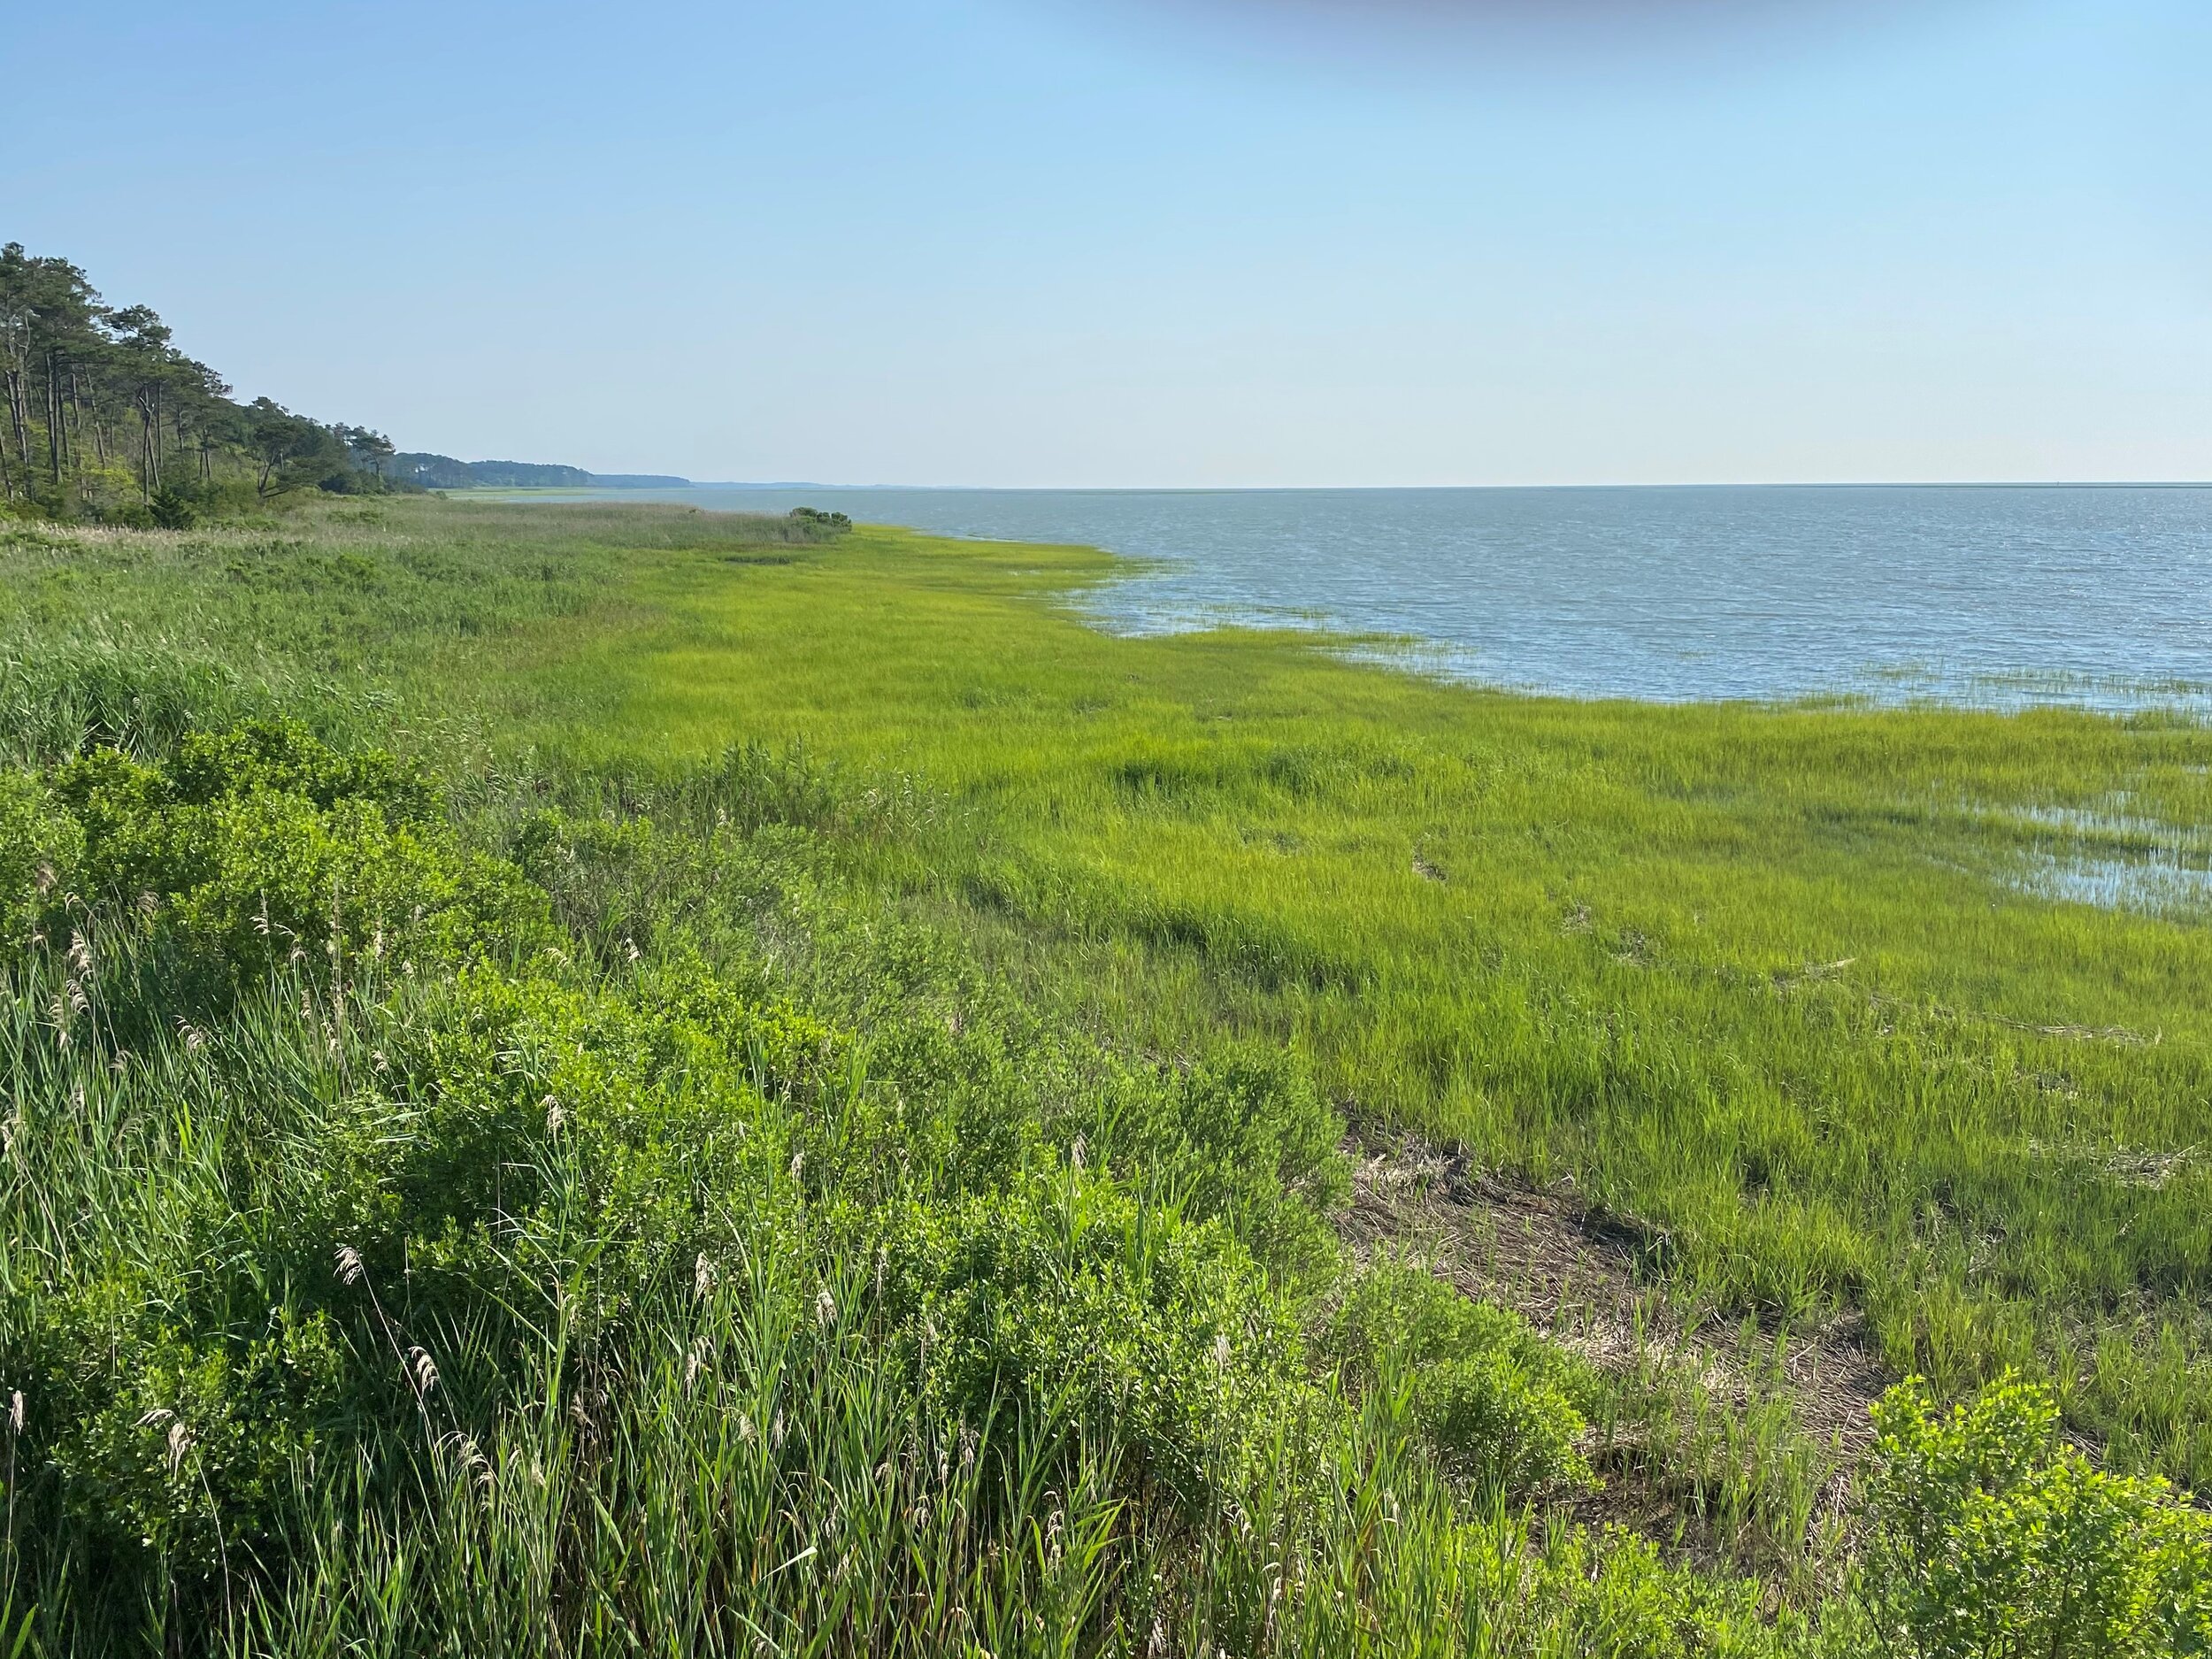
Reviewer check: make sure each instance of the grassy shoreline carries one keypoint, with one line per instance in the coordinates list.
(1096, 936)
(1758, 977)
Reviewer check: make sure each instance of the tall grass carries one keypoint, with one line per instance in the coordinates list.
(834, 1150)
(518, 1300)
(1770, 981)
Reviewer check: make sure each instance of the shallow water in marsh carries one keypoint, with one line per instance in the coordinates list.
(1997, 595)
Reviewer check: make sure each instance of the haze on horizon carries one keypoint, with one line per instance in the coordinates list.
(1123, 243)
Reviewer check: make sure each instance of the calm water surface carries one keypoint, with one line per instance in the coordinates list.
(1995, 595)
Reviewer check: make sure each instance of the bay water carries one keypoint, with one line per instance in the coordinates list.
(1993, 595)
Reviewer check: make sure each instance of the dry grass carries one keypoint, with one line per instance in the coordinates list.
(1722, 1446)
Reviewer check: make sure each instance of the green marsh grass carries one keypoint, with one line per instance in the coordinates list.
(1090, 948)
(1762, 979)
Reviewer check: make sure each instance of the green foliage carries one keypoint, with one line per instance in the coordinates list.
(1764, 980)
(1617, 1598)
(96, 691)
(1068, 1293)
(290, 450)
(1499, 1406)
(417, 1304)
(1245, 1135)
(638, 1119)
(38, 842)
(1991, 1538)
(815, 518)
(128, 431)
(185, 504)
(284, 1206)
(251, 848)
(171, 509)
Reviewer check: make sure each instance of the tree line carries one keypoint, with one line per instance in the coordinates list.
(103, 416)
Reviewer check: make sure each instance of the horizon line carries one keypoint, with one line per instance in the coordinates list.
(1287, 489)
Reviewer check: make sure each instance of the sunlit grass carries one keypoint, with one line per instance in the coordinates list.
(1766, 979)
(1775, 989)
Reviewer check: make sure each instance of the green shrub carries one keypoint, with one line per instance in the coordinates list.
(640, 1119)
(281, 756)
(1068, 1293)
(255, 847)
(495, 1155)
(125, 515)
(172, 509)
(37, 843)
(1989, 1537)
(1617, 1599)
(172, 1438)
(1500, 1407)
(1244, 1136)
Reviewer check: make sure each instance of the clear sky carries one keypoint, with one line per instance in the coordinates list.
(1137, 243)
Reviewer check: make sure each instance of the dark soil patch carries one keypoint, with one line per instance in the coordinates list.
(1576, 1271)
(1588, 1278)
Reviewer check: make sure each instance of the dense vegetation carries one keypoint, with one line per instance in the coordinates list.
(608, 1078)
(443, 472)
(105, 419)
(1779, 985)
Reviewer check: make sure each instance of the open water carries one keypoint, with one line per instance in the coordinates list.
(1998, 595)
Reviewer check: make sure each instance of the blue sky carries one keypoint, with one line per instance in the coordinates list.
(1131, 243)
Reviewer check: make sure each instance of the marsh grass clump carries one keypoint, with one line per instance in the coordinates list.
(90, 691)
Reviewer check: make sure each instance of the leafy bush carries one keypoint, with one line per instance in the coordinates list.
(37, 843)
(1244, 1136)
(190, 502)
(494, 1155)
(1499, 1406)
(1990, 1538)
(1069, 1294)
(130, 515)
(253, 847)
(640, 1119)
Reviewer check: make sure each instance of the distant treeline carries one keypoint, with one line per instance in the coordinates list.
(443, 472)
(102, 418)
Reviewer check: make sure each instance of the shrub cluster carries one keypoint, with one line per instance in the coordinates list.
(1992, 1537)
(254, 848)
(1501, 1407)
